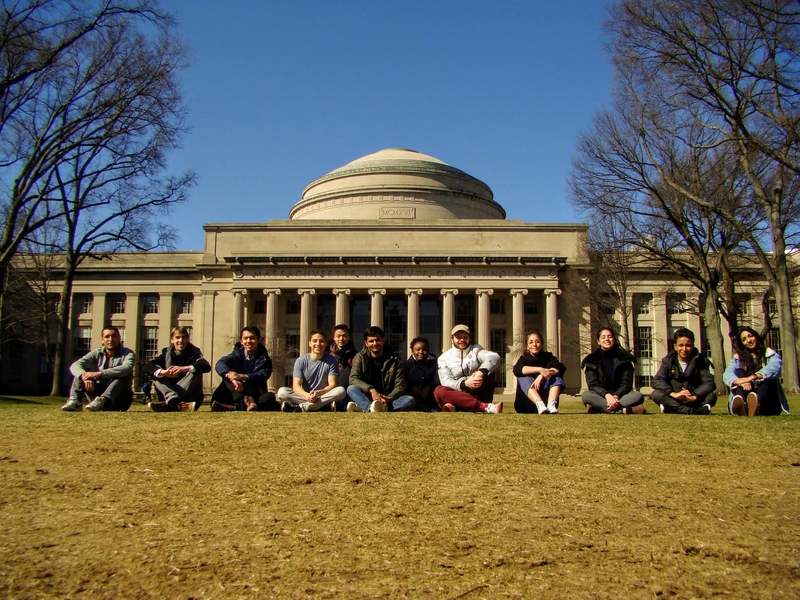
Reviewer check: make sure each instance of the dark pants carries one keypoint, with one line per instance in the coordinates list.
(225, 394)
(767, 391)
(469, 401)
(188, 388)
(671, 405)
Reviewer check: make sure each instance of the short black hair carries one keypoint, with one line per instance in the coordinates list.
(251, 329)
(111, 328)
(343, 327)
(420, 340)
(373, 331)
(682, 332)
(317, 332)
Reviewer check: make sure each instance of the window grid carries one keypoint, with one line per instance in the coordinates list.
(184, 304)
(292, 344)
(83, 304)
(643, 305)
(675, 304)
(116, 304)
(774, 339)
(292, 307)
(497, 306)
(149, 347)
(531, 306)
(82, 343)
(150, 304)
(497, 343)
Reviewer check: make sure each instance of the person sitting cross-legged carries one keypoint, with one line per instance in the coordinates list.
(378, 377)
(315, 379)
(178, 374)
(244, 373)
(754, 377)
(466, 374)
(104, 376)
(539, 375)
(684, 383)
(609, 376)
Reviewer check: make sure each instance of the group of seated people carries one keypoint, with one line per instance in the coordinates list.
(375, 379)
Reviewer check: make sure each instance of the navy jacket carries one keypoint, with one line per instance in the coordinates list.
(235, 361)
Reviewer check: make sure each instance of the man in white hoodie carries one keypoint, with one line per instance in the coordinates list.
(466, 373)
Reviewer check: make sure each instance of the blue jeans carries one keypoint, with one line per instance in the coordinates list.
(398, 404)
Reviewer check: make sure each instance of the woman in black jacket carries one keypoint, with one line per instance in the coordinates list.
(609, 377)
(539, 375)
(684, 383)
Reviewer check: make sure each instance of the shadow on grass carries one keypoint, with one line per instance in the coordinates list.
(30, 400)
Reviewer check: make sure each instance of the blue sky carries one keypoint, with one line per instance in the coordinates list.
(281, 93)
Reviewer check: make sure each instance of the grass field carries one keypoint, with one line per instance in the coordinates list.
(261, 505)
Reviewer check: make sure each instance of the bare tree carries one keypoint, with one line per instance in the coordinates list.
(63, 92)
(732, 69)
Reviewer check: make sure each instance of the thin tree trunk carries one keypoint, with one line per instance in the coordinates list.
(714, 338)
(62, 337)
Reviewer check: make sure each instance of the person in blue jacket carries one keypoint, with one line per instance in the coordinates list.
(244, 373)
(753, 375)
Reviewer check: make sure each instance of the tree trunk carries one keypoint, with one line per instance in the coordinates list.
(63, 327)
(714, 338)
(3, 283)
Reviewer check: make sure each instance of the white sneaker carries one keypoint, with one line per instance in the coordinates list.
(494, 409)
(72, 405)
(353, 407)
(663, 409)
(542, 408)
(552, 407)
(378, 406)
(96, 404)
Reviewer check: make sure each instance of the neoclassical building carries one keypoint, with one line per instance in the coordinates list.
(396, 239)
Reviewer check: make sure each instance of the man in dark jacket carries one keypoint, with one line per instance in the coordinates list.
(178, 374)
(244, 373)
(378, 377)
(684, 383)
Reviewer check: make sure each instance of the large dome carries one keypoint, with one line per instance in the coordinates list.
(397, 184)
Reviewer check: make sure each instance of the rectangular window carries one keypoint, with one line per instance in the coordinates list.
(292, 343)
(46, 366)
(83, 304)
(772, 307)
(531, 306)
(742, 310)
(644, 356)
(643, 304)
(82, 343)
(774, 339)
(606, 305)
(116, 304)
(497, 306)
(676, 304)
(184, 304)
(292, 307)
(150, 304)
(260, 307)
(497, 343)
(148, 349)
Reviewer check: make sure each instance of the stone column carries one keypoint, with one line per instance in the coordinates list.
(376, 311)
(271, 339)
(692, 320)
(483, 336)
(412, 327)
(305, 315)
(342, 306)
(448, 314)
(133, 320)
(271, 321)
(552, 294)
(165, 318)
(238, 312)
(98, 316)
(660, 328)
(517, 336)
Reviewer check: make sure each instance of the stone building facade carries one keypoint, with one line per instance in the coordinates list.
(396, 239)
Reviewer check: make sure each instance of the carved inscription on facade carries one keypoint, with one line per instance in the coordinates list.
(398, 213)
(389, 273)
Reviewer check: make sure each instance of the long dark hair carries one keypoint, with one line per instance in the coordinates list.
(750, 361)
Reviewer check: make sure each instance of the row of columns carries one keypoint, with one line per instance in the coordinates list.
(413, 295)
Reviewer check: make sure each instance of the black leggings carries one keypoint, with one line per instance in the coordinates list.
(768, 392)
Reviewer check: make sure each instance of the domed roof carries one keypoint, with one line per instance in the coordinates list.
(397, 184)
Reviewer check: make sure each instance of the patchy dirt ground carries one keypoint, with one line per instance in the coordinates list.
(223, 505)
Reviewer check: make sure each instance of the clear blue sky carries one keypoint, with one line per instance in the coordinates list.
(281, 93)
